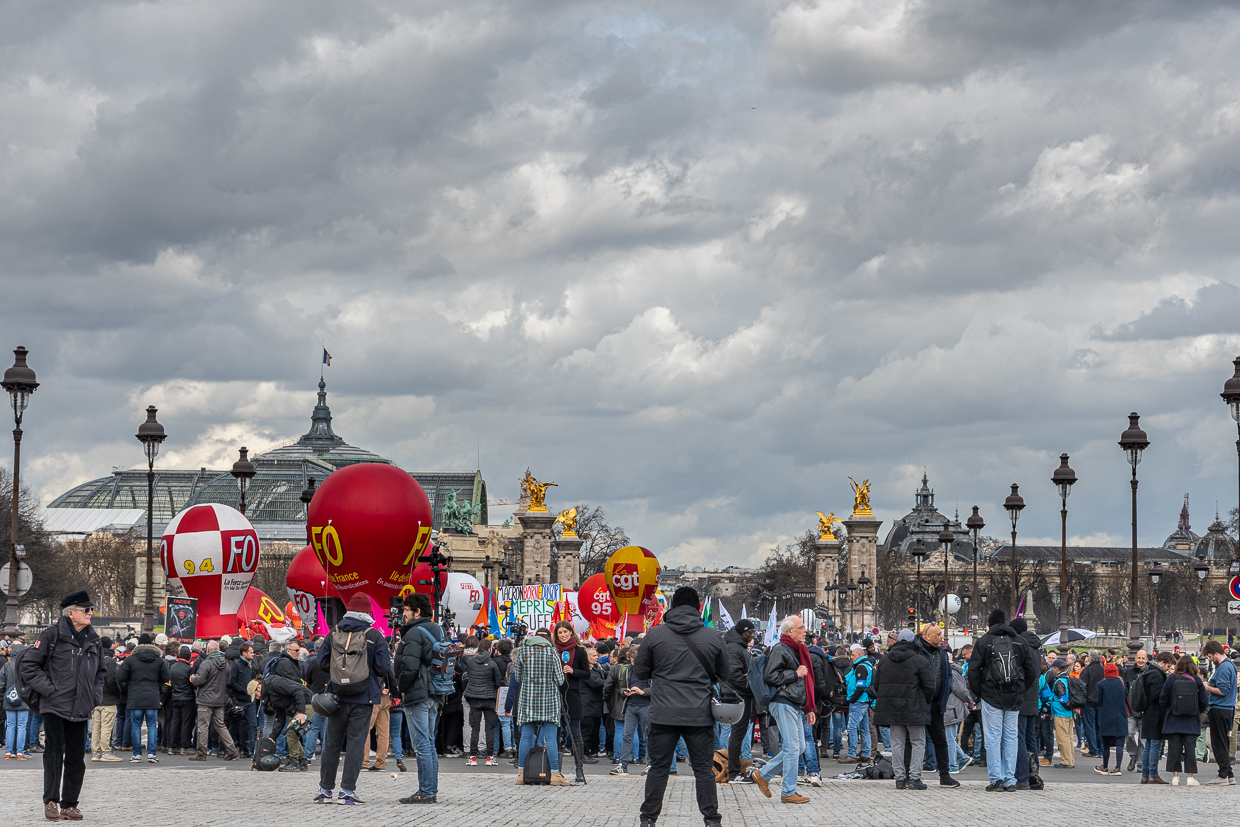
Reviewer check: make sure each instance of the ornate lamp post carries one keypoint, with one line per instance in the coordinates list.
(863, 585)
(307, 494)
(852, 592)
(975, 523)
(244, 471)
(918, 551)
(964, 601)
(1231, 395)
(1134, 442)
(150, 434)
(1155, 574)
(487, 568)
(1014, 505)
(983, 597)
(1063, 478)
(1202, 568)
(946, 538)
(1213, 609)
(19, 381)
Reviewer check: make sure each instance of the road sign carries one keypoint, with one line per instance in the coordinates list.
(20, 551)
(1233, 607)
(1234, 587)
(24, 578)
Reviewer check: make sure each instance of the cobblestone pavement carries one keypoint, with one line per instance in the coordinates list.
(214, 795)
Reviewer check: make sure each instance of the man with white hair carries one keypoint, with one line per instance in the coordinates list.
(790, 670)
(857, 684)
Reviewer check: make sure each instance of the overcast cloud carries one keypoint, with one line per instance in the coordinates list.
(697, 262)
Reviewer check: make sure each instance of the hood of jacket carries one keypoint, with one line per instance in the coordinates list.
(535, 640)
(1002, 629)
(354, 622)
(817, 650)
(683, 619)
(902, 651)
(734, 637)
(147, 652)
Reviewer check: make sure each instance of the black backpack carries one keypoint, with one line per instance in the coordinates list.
(537, 765)
(1002, 666)
(1035, 776)
(1184, 696)
(24, 691)
(1075, 691)
(880, 770)
(1136, 695)
(264, 747)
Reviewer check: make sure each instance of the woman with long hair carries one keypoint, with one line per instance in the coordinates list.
(576, 667)
(1182, 728)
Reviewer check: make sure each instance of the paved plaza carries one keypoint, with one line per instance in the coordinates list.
(185, 795)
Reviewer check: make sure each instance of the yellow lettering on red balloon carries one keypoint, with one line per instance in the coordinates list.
(332, 549)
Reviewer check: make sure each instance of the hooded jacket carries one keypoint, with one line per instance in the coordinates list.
(413, 657)
(378, 658)
(680, 687)
(240, 673)
(211, 680)
(142, 676)
(482, 677)
(539, 672)
(69, 683)
(111, 690)
(903, 686)
(592, 692)
(182, 689)
(1007, 697)
(738, 660)
(1152, 678)
(959, 699)
(1030, 705)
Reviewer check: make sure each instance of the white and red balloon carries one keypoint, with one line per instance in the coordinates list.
(212, 551)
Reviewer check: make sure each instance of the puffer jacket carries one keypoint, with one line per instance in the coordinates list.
(903, 687)
(413, 656)
(211, 680)
(960, 698)
(739, 659)
(482, 677)
(781, 672)
(182, 689)
(69, 684)
(142, 676)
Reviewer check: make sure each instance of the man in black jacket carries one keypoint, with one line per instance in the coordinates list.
(241, 671)
(286, 693)
(142, 676)
(1000, 668)
(71, 651)
(1092, 675)
(591, 705)
(482, 683)
(419, 635)
(737, 642)
(930, 644)
(1027, 725)
(684, 659)
(184, 711)
(903, 688)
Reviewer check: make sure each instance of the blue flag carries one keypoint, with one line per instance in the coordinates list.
(493, 617)
(327, 358)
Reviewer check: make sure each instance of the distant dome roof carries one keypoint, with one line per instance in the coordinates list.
(924, 523)
(322, 442)
(1216, 546)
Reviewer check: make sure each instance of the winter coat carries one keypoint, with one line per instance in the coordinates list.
(111, 691)
(142, 676)
(613, 688)
(1092, 675)
(1030, 705)
(842, 665)
(1152, 678)
(1181, 724)
(943, 686)
(903, 686)
(482, 677)
(316, 676)
(283, 687)
(580, 663)
(681, 688)
(6, 683)
(538, 670)
(378, 658)
(1112, 709)
(211, 680)
(240, 673)
(70, 686)
(824, 678)
(413, 658)
(1008, 697)
(739, 660)
(592, 692)
(182, 689)
(960, 698)
(781, 672)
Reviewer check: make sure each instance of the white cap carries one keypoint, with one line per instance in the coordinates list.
(856, 647)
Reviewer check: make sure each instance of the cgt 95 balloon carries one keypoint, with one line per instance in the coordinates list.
(368, 525)
(632, 575)
(212, 551)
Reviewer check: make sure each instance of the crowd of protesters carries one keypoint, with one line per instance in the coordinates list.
(911, 707)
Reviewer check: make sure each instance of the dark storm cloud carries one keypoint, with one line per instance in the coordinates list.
(1214, 309)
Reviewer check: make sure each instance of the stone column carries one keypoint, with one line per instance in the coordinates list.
(826, 565)
(862, 556)
(568, 547)
(536, 538)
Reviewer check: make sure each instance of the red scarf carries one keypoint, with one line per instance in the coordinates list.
(803, 655)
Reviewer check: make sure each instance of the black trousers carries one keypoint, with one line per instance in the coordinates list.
(65, 756)
(741, 730)
(589, 734)
(478, 709)
(938, 737)
(452, 726)
(1220, 739)
(183, 720)
(609, 727)
(348, 728)
(701, 743)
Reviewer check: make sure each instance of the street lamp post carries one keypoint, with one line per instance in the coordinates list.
(307, 494)
(487, 568)
(20, 382)
(244, 471)
(919, 552)
(150, 434)
(1156, 573)
(841, 597)
(1063, 478)
(1014, 505)
(1231, 395)
(863, 585)
(852, 592)
(946, 538)
(1213, 610)
(975, 523)
(1134, 442)
(1202, 568)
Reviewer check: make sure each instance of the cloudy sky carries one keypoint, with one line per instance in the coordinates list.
(697, 262)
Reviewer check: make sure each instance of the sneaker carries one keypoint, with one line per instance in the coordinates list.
(491, 762)
(323, 798)
(1231, 781)
(803, 779)
(1101, 770)
(8, 756)
(137, 759)
(1192, 782)
(620, 770)
(901, 784)
(967, 761)
(1021, 785)
(1115, 771)
(1175, 780)
(916, 784)
(948, 781)
(349, 799)
(22, 756)
(815, 780)
(994, 787)
(742, 779)
(473, 761)
(418, 798)
(151, 759)
(96, 757)
(400, 765)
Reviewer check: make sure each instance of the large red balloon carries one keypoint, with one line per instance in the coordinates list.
(307, 582)
(368, 525)
(213, 551)
(595, 602)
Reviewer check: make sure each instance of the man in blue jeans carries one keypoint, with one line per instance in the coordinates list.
(1092, 675)
(857, 684)
(421, 706)
(789, 671)
(1000, 668)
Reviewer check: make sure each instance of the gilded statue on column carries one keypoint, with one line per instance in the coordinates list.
(537, 491)
(824, 526)
(861, 498)
(568, 519)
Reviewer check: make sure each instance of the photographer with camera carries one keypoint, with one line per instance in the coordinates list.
(419, 635)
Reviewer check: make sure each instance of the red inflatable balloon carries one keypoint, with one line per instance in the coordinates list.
(595, 603)
(213, 551)
(307, 582)
(368, 525)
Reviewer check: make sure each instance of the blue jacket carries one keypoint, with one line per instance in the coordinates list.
(1112, 708)
(1182, 724)
(1224, 678)
(1051, 694)
(378, 658)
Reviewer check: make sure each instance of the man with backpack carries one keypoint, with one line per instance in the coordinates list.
(857, 684)
(999, 670)
(355, 655)
(420, 640)
(70, 650)
(1053, 690)
(737, 642)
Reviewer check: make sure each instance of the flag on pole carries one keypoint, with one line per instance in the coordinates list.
(725, 619)
(327, 358)
(1020, 610)
(744, 612)
(493, 616)
(772, 629)
(706, 619)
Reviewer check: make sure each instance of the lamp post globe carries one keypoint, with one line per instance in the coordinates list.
(243, 470)
(1063, 478)
(151, 435)
(1014, 504)
(20, 382)
(1155, 575)
(946, 538)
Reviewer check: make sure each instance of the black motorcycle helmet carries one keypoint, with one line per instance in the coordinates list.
(325, 704)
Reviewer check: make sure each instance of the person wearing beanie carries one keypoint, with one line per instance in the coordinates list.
(684, 659)
(342, 653)
(1000, 669)
(1112, 718)
(903, 687)
(181, 715)
(1027, 725)
(103, 718)
(141, 677)
(737, 641)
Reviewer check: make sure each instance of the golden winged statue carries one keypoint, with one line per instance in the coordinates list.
(861, 498)
(568, 519)
(538, 493)
(824, 526)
